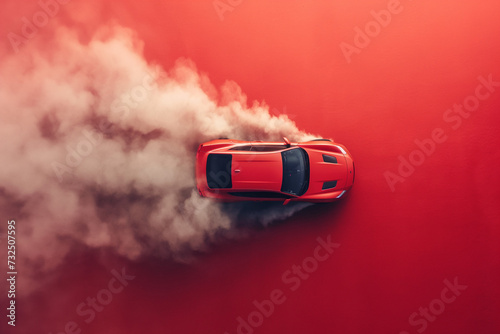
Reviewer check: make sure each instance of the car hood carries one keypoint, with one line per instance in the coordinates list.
(321, 171)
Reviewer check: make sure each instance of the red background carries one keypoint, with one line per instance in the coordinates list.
(396, 247)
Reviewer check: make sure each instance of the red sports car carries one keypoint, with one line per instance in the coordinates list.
(234, 170)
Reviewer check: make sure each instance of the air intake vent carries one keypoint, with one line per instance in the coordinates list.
(329, 185)
(329, 159)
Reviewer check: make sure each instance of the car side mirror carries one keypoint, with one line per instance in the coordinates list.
(287, 201)
(287, 142)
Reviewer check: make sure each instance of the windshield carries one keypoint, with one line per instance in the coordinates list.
(295, 171)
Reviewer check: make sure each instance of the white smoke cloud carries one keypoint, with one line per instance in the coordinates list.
(99, 148)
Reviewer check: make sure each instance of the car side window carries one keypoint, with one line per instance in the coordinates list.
(260, 194)
(258, 148)
(241, 148)
(268, 148)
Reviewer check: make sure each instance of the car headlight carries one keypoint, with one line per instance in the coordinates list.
(341, 150)
(341, 194)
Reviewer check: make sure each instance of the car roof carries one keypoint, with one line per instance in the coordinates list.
(257, 171)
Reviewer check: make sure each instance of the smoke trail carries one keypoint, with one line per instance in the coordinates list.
(101, 148)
